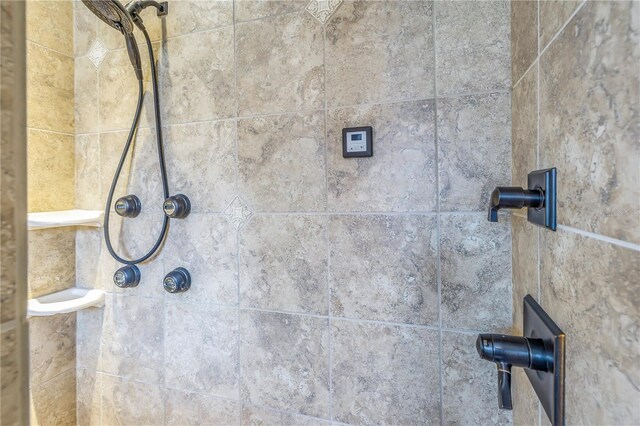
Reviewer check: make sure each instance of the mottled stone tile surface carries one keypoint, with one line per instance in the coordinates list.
(280, 66)
(50, 24)
(54, 402)
(385, 374)
(288, 357)
(85, 28)
(474, 149)
(89, 395)
(476, 272)
(197, 86)
(10, 382)
(49, 89)
(553, 15)
(126, 402)
(469, 384)
(52, 347)
(51, 172)
(282, 162)
(599, 282)
(192, 409)
(132, 338)
(472, 49)
(401, 175)
(207, 247)
(190, 16)
(283, 264)
(524, 250)
(51, 264)
(255, 416)
(379, 51)
(85, 96)
(208, 148)
(201, 348)
(524, 130)
(524, 36)
(589, 114)
(384, 268)
(88, 338)
(87, 172)
(247, 10)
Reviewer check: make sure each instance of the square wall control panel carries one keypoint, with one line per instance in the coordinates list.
(357, 142)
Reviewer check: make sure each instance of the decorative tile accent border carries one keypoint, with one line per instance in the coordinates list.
(237, 212)
(323, 9)
(97, 53)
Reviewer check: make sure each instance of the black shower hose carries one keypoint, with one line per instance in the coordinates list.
(123, 157)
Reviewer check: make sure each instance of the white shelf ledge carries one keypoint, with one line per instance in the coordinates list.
(65, 218)
(65, 301)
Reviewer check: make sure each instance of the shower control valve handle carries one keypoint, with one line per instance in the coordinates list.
(177, 206)
(128, 206)
(177, 281)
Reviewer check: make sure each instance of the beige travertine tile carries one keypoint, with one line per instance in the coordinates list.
(87, 168)
(51, 260)
(283, 264)
(9, 380)
(206, 246)
(86, 96)
(590, 288)
(524, 36)
(524, 130)
(476, 272)
(94, 266)
(589, 114)
(201, 348)
(469, 385)
(255, 416)
(279, 64)
(51, 171)
(210, 149)
(132, 338)
(54, 402)
(50, 24)
(282, 162)
(192, 409)
(49, 89)
(89, 395)
(553, 15)
(288, 357)
(52, 346)
(473, 50)
(401, 175)
(125, 402)
(89, 338)
(379, 51)
(111, 146)
(189, 16)
(384, 268)
(247, 10)
(197, 86)
(525, 401)
(385, 374)
(85, 27)
(474, 149)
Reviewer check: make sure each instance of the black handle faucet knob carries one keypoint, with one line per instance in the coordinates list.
(128, 206)
(511, 197)
(177, 207)
(177, 281)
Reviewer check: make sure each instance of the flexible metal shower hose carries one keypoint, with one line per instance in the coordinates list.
(125, 151)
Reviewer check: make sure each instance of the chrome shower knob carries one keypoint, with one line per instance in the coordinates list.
(177, 207)
(177, 281)
(128, 206)
(127, 276)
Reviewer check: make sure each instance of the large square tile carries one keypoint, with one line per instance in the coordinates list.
(125, 402)
(52, 347)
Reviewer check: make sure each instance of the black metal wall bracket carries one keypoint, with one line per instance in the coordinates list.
(549, 386)
(539, 198)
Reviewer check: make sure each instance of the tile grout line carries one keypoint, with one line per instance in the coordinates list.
(560, 31)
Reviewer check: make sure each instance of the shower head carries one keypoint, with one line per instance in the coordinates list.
(115, 15)
(112, 13)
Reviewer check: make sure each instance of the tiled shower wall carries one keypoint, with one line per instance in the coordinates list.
(324, 289)
(576, 106)
(51, 184)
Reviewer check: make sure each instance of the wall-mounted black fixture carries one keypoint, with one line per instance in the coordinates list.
(126, 277)
(357, 142)
(128, 206)
(177, 281)
(540, 352)
(539, 198)
(177, 207)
